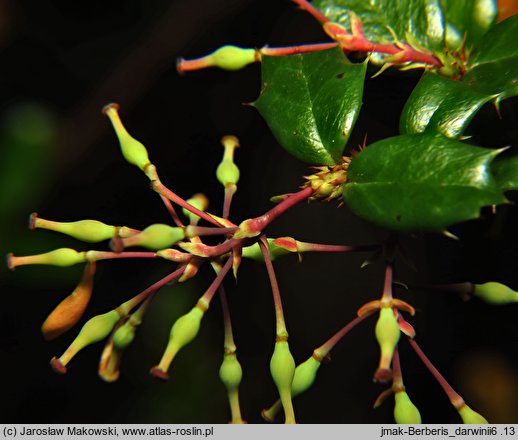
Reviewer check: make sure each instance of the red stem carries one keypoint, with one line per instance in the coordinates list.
(454, 397)
(279, 314)
(327, 346)
(387, 288)
(136, 300)
(102, 255)
(292, 50)
(260, 223)
(209, 294)
(172, 212)
(308, 7)
(167, 193)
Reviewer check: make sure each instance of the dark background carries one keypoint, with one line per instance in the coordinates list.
(61, 62)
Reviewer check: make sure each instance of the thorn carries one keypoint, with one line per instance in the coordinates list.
(450, 235)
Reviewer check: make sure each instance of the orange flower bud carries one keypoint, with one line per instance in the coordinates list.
(70, 310)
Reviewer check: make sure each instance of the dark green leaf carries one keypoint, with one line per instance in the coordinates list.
(493, 65)
(505, 170)
(441, 104)
(311, 102)
(423, 19)
(472, 18)
(421, 182)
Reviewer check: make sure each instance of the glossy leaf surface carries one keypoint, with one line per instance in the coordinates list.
(505, 170)
(421, 182)
(472, 18)
(441, 104)
(493, 65)
(311, 102)
(423, 19)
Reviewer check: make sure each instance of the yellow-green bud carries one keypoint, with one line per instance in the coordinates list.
(282, 369)
(387, 334)
(227, 171)
(253, 251)
(305, 375)
(132, 150)
(94, 330)
(91, 231)
(232, 57)
(157, 236)
(405, 412)
(200, 202)
(59, 257)
(230, 371)
(97, 328)
(495, 293)
(183, 331)
(471, 417)
(124, 335)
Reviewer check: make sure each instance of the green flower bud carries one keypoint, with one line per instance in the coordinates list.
(59, 257)
(282, 369)
(91, 231)
(184, 330)
(232, 57)
(230, 371)
(405, 412)
(157, 236)
(305, 375)
(253, 251)
(471, 417)
(95, 330)
(200, 202)
(132, 150)
(387, 334)
(227, 171)
(495, 293)
(124, 335)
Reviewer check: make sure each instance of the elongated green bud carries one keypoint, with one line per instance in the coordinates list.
(59, 257)
(184, 330)
(125, 334)
(95, 330)
(304, 376)
(471, 417)
(495, 293)
(387, 334)
(91, 231)
(226, 57)
(227, 171)
(199, 201)
(230, 372)
(253, 251)
(282, 369)
(132, 150)
(405, 412)
(157, 236)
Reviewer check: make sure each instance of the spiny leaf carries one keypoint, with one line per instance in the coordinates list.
(423, 19)
(441, 104)
(505, 170)
(493, 65)
(311, 102)
(421, 182)
(471, 18)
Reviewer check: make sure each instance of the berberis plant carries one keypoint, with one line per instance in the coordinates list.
(426, 179)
